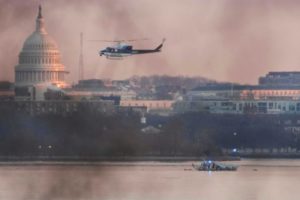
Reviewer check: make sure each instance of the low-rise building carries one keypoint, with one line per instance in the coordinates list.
(61, 107)
(281, 78)
(269, 97)
(152, 106)
(7, 92)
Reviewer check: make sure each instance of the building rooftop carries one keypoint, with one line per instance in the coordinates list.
(284, 73)
(246, 87)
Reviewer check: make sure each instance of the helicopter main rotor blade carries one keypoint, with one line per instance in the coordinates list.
(132, 40)
(104, 40)
(118, 41)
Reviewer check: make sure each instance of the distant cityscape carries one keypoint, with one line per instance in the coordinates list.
(276, 93)
(197, 116)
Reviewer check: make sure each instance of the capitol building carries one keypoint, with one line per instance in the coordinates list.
(39, 66)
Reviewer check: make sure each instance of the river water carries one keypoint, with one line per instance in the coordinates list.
(254, 180)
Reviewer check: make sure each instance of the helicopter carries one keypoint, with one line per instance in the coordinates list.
(121, 49)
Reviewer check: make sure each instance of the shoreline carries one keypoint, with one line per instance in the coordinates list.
(112, 159)
(119, 159)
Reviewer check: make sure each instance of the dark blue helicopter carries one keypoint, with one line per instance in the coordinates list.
(121, 50)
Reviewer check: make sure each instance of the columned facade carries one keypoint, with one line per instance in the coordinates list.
(39, 76)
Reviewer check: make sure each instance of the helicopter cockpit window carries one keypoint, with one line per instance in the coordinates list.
(109, 49)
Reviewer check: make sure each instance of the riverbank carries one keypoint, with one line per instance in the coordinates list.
(91, 159)
(114, 158)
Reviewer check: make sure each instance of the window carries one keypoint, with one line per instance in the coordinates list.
(298, 106)
(270, 105)
(291, 107)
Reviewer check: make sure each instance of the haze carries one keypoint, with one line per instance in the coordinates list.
(226, 40)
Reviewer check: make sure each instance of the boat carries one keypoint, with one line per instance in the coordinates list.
(209, 165)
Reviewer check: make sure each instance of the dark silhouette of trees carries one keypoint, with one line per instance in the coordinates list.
(90, 134)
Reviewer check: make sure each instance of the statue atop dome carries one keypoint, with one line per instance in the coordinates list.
(40, 12)
(40, 24)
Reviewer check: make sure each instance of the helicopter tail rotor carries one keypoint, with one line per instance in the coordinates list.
(161, 45)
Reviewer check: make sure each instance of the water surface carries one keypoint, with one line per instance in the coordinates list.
(254, 180)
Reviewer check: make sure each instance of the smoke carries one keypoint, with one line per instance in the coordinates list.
(53, 182)
(227, 40)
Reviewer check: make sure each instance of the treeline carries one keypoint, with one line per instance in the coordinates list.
(212, 132)
(88, 134)
(244, 131)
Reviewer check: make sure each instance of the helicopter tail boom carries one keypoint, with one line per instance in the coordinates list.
(143, 51)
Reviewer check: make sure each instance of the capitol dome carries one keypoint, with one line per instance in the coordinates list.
(38, 41)
(40, 59)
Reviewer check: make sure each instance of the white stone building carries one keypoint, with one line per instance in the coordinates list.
(39, 64)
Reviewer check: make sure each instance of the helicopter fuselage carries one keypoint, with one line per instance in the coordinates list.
(123, 50)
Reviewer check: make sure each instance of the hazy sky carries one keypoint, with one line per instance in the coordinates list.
(226, 40)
